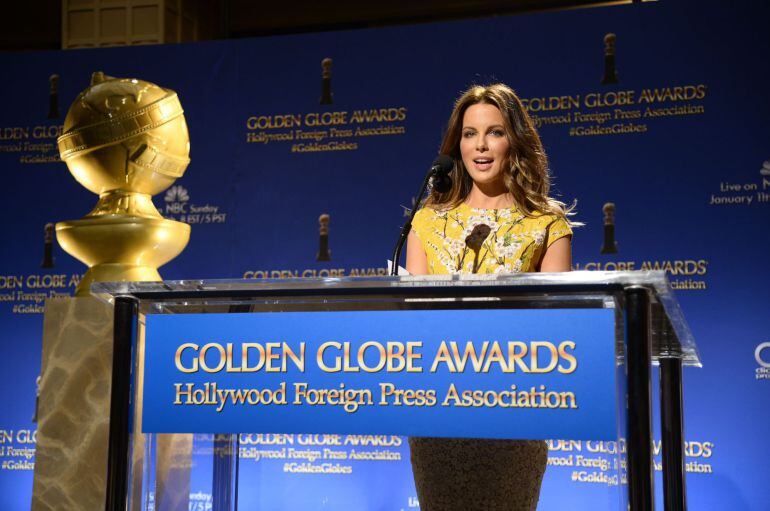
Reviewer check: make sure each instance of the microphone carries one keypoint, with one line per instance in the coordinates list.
(443, 164)
(438, 177)
(440, 180)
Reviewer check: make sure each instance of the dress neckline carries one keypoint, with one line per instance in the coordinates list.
(465, 205)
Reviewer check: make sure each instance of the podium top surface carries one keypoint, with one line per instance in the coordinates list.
(671, 334)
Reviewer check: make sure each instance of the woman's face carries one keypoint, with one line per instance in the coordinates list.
(484, 146)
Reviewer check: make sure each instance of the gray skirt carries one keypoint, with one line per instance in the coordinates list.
(472, 474)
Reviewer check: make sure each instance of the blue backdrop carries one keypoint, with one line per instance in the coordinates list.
(679, 144)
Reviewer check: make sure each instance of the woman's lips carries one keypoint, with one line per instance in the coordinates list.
(483, 163)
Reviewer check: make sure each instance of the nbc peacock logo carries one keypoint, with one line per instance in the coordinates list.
(179, 207)
(177, 193)
(176, 199)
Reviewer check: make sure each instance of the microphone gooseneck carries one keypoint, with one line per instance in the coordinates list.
(438, 175)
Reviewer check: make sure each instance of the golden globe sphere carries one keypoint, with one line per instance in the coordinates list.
(124, 139)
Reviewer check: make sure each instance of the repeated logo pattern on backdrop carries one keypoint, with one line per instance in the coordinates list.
(307, 149)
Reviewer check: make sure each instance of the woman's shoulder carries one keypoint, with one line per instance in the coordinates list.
(433, 212)
(431, 220)
(555, 227)
(552, 225)
(423, 219)
(547, 218)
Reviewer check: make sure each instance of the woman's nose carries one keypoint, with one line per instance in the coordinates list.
(481, 144)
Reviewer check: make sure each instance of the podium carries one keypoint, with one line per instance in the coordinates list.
(561, 355)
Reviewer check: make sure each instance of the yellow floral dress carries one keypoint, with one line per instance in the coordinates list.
(461, 474)
(471, 240)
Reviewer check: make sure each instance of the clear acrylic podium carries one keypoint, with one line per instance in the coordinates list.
(649, 329)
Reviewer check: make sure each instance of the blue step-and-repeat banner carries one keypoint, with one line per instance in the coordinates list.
(679, 142)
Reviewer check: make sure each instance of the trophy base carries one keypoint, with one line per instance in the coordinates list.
(73, 427)
(122, 247)
(116, 273)
(609, 249)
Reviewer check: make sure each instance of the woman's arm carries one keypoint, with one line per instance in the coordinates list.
(416, 259)
(558, 257)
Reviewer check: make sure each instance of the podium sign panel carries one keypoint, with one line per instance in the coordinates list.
(489, 373)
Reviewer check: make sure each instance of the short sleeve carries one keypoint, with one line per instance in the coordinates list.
(557, 229)
(421, 222)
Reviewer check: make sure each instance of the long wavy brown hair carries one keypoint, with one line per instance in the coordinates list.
(526, 167)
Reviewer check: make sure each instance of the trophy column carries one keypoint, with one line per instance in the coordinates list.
(53, 97)
(326, 82)
(610, 71)
(48, 246)
(324, 254)
(609, 246)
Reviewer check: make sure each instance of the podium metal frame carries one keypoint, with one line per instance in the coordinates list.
(654, 326)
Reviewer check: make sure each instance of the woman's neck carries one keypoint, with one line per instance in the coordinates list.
(495, 198)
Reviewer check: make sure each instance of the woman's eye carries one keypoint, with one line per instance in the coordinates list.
(468, 134)
(498, 133)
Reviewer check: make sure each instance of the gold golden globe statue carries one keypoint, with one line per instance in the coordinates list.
(125, 140)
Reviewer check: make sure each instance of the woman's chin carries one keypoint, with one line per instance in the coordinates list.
(488, 179)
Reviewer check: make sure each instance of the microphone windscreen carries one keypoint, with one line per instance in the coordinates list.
(442, 183)
(443, 164)
(477, 236)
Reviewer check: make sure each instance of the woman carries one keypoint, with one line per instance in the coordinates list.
(497, 218)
